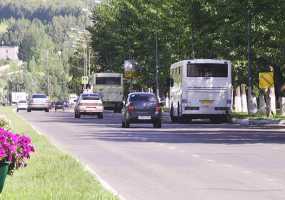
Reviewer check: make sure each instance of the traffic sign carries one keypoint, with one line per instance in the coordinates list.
(84, 80)
(266, 80)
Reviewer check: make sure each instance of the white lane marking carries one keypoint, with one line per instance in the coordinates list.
(195, 156)
(210, 161)
(228, 165)
(247, 172)
(276, 148)
(270, 179)
(103, 182)
(172, 147)
(161, 145)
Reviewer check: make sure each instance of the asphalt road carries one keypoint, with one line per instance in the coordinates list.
(196, 161)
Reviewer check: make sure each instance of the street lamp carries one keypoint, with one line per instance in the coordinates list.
(156, 66)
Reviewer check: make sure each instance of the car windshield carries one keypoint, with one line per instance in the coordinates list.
(40, 96)
(59, 103)
(90, 97)
(142, 97)
(22, 102)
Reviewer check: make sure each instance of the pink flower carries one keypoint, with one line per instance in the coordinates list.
(15, 148)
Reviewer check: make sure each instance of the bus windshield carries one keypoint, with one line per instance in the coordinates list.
(108, 80)
(207, 70)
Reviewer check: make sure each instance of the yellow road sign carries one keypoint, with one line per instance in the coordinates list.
(84, 80)
(266, 80)
(131, 74)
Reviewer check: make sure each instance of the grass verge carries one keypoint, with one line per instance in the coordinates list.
(50, 173)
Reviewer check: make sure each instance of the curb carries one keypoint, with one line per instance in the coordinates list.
(85, 166)
(258, 122)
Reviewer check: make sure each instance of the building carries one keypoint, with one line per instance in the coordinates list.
(9, 53)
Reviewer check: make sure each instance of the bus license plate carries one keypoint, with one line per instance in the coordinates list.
(144, 117)
(206, 102)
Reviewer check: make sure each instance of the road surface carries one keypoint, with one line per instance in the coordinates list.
(178, 162)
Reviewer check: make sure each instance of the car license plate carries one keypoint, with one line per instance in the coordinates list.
(144, 117)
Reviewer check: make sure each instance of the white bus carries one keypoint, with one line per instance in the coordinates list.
(201, 88)
(110, 86)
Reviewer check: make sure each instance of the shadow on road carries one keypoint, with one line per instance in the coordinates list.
(171, 133)
(189, 136)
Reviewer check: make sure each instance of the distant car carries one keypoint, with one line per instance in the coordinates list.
(141, 107)
(22, 105)
(59, 105)
(38, 102)
(89, 104)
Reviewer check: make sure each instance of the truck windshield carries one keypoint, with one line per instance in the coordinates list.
(39, 96)
(108, 80)
(207, 70)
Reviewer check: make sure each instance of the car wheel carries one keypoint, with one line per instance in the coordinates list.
(100, 115)
(29, 110)
(47, 110)
(127, 124)
(157, 124)
(17, 110)
(123, 125)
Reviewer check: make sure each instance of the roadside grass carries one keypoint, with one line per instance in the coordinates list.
(257, 116)
(3, 27)
(50, 174)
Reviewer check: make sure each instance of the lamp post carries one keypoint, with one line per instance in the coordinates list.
(156, 66)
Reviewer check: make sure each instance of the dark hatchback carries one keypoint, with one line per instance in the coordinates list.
(141, 107)
(59, 105)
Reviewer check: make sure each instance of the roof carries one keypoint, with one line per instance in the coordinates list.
(141, 93)
(182, 62)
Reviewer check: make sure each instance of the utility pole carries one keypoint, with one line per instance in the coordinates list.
(249, 50)
(249, 54)
(89, 62)
(157, 67)
(192, 32)
(48, 80)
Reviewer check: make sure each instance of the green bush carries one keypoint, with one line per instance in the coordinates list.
(4, 123)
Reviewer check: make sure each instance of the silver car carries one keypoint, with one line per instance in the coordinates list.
(38, 102)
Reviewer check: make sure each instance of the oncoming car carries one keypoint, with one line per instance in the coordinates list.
(141, 107)
(89, 104)
(22, 105)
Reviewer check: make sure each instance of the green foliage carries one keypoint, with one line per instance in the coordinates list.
(43, 35)
(50, 174)
(186, 29)
(4, 123)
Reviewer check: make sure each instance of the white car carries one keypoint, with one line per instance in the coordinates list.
(89, 104)
(22, 105)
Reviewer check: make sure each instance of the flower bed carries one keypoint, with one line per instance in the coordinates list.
(14, 149)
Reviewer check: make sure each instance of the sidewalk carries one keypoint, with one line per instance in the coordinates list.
(258, 121)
